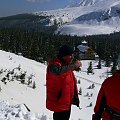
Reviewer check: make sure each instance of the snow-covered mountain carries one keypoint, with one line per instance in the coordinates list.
(14, 93)
(86, 17)
(83, 3)
(88, 2)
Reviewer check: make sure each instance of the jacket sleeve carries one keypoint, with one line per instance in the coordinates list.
(58, 70)
(100, 105)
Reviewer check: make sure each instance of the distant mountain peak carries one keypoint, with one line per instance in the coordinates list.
(83, 3)
(88, 2)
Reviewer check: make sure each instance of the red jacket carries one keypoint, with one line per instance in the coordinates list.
(109, 95)
(61, 89)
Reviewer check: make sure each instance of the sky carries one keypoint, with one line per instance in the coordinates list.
(12, 7)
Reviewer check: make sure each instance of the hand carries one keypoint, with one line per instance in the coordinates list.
(76, 101)
(78, 64)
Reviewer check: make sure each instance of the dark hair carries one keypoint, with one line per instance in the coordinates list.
(65, 50)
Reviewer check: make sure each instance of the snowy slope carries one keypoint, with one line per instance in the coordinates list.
(87, 13)
(83, 3)
(14, 94)
(88, 2)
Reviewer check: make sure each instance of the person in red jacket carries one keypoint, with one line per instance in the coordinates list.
(61, 87)
(108, 101)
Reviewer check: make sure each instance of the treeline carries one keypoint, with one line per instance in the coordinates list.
(29, 22)
(42, 47)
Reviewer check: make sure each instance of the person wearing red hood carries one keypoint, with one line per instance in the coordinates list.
(61, 87)
(108, 101)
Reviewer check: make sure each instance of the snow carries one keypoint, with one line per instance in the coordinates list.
(18, 112)
(14, 94)
(89, 17)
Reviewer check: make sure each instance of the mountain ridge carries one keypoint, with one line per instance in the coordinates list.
(88, 17)
(100, 13)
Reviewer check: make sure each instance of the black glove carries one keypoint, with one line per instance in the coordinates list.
(76, 102)
(96, 117)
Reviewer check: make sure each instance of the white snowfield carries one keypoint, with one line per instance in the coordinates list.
(14, 94)
(89, 17)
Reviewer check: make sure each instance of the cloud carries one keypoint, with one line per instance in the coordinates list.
(38, 1)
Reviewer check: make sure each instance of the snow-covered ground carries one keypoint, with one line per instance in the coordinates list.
(14, 94)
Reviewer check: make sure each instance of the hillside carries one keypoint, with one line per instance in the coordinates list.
(29, 22)
(14, 93)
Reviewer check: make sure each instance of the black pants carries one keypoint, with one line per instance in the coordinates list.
(65, 115)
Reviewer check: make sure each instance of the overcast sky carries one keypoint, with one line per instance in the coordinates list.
(11, 7)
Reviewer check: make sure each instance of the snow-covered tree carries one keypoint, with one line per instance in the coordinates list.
(0, 89)
(90, 69)
(1, 71)
(34, 85)
(114, 68)
(78, 81)
(22, 77)
(99, 64)
(92, 86)
(90, 105)
(80, 91)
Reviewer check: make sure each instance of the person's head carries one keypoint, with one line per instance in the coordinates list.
(66, 53)
(118, 62)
